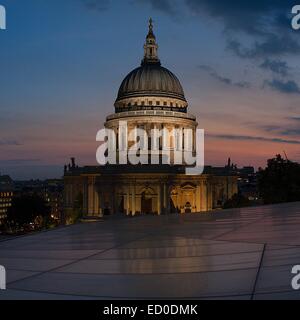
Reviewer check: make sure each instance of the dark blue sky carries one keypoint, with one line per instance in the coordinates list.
(62, 62)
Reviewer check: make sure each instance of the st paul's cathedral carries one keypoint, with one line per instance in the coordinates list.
(149, 97)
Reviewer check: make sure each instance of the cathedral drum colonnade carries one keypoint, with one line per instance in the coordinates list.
(150, 97)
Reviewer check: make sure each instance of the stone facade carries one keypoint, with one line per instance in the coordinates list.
(145, 193)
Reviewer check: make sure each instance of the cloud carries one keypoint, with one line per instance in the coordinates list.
(252, 138)
(294, 118)
(18, 161)
(254, 17)
(267, 22)
(288, 87)
(236, 15)
(225, 80)
(272, 45)
(165, 6)
(96, 5)
(284, 130)
(276, 66)
(10, 143)
(291, 132)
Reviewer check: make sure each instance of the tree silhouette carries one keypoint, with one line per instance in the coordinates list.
(280, 181)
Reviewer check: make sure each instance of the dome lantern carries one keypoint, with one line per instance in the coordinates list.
(150, 86)
(150, 47)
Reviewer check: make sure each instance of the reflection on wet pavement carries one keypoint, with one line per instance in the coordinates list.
(239, 253)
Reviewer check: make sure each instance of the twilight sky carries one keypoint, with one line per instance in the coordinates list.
(62, 62)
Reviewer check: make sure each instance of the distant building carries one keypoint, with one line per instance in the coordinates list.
(53, 194)
(6, 195)
(247, 180)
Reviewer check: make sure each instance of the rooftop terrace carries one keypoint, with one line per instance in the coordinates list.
(232, 254)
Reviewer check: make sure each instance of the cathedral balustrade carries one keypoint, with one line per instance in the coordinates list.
(163, 113)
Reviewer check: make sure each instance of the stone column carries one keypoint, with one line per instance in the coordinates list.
(165, 198)
(159, 199)
(204, 196)
(179, 200)
(85, 198)
(209, 195)
(198, 201)
(133, 200)
(91, 194)
(96, 202)
(128, 200)
(168, 200)
(100, 203)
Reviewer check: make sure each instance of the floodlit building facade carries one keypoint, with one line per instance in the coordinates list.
(150, 97)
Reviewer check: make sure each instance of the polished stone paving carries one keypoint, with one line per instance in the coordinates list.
(232, 254)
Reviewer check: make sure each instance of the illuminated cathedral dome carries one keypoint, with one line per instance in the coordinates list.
(151, 79)
(151, 86)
